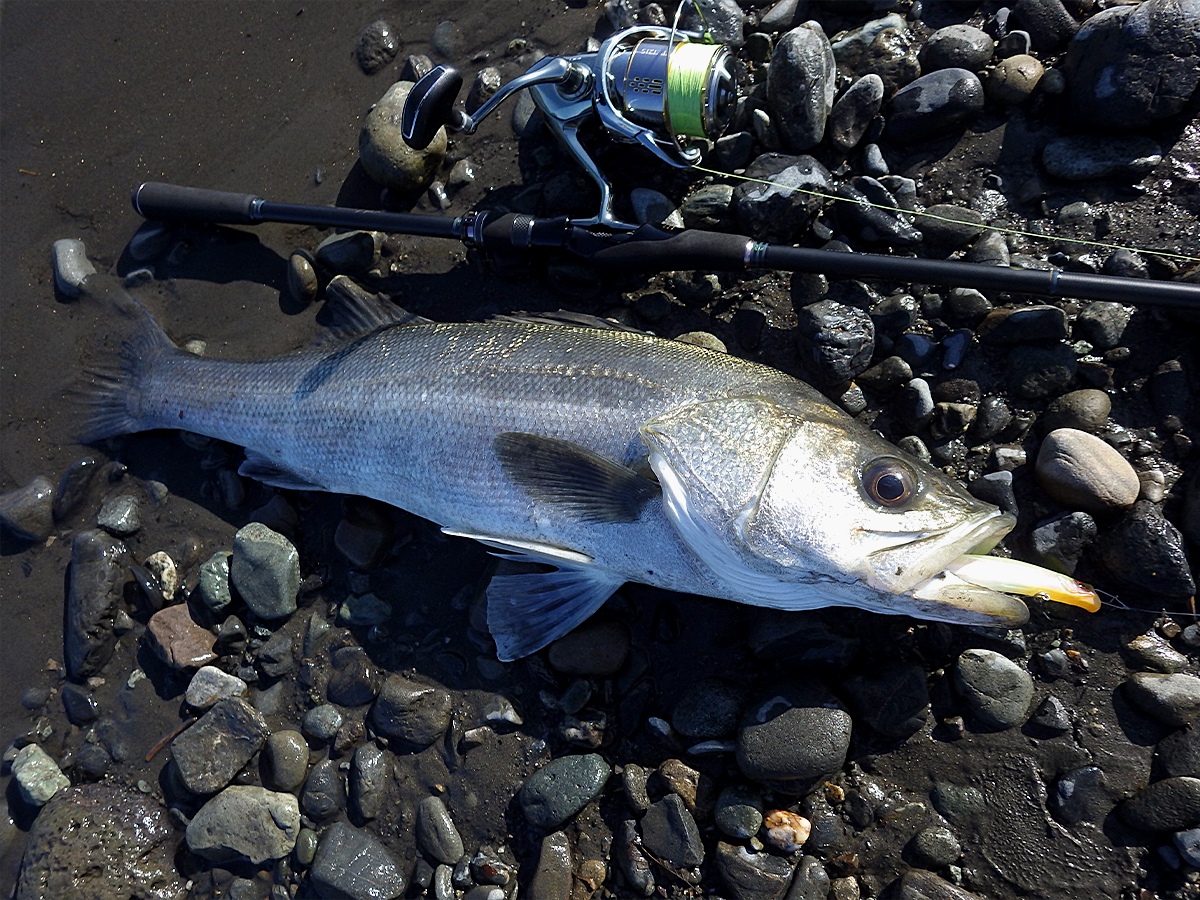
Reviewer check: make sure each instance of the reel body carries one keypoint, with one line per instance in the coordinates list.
(646, 85)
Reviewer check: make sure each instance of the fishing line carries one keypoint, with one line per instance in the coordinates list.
(928, 215)
(687, 78)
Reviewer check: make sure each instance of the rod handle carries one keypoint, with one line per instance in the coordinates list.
(175, 203)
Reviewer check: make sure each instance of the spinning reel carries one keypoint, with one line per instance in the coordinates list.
(657, 87)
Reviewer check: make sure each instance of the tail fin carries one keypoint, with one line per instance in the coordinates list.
(111, 391)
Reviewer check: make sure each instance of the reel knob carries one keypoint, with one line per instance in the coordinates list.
(430, 105)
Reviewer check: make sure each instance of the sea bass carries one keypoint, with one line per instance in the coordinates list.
(607, 455)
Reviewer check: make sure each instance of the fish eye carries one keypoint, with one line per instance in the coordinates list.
(889, 482)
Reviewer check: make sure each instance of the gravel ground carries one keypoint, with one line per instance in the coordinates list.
(641, 754)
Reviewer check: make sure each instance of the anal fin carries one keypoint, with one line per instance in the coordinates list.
(267, 471)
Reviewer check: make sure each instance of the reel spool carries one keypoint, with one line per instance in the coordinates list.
(646, 85)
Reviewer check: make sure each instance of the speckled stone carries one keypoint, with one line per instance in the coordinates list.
(561, 788)
(38, 777)
(245, 822)
(265, 569)
(1172, 804)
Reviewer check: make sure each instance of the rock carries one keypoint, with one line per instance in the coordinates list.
(934, 105)
(1081, 471)
(96, 575)
(885, 47)
(436, 834)
(1020, 326)
(866, 213)
(1014, 79)
(708, 709)
(739, 811)
(38, 777)
(697, 790)
(990, 249)
(792, 736)
(1144, 552)
(302, 283)
(213, 589)
(1047, 21)
(1154, 652)
(1177, 754)
(1172, 804)
(120, 516)
(811, 881)
(81, 707)
(285, 758)
(785, 831)
(1172, 699)
(368, 781)
(651, 207)
(376, 47)
(1102, 324)
(265, 569)
(385, 156)
(28, 512)
(245, 822)
(1059, 542)
(210, 684)
(752, 875)
(1081, 795)
(781, 210)
(913, 405)
(321, 723)
(854, 112)
(275, 657)
(952, 227)
(723, 19)
(669, 832)
(887, 375)
(801, 86)
(597, 647)
(323, 796)
(1080, 157)
(935, 847)
(100, 842)
(997, 690)
(1188, 844)
(836, 340)
(552, 879)
(73, 486)
(177, 640)
(211, 752)
(1130, 65)
(1084, 410)
(957, 47)
(68, 259)
(355, 680)
(561, 788)
(894, 701)
(917, 884)
(351, 863)
(411, 712)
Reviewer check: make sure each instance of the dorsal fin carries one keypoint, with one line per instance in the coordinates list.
(350, 311)
(566, 317)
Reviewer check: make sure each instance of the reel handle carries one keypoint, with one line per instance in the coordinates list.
(430, 105)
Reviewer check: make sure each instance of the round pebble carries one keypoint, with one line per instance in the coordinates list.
(935, 847)
(302, 282)
(1087, 157)
(385, 156)
(286, 757)
(410, 711)
(934, 105)
(997, 690)
(1172, 804)
(436, 834)
(561, 788)
(957, 46)
(739, 811)
(1173, 699)
(377, 46)
(1081, 471)
(1084, 410)
(1014, 79)
(801, 85)
(322, 722)
(854, 111)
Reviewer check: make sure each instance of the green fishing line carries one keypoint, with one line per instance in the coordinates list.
(687, 74)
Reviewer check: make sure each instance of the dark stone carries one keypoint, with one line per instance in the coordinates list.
(377, 46)
(934, 105)
(1102, 324)
(1059, 542)
(801, 86)
(894, 701)
(1144, 552)
(782, 210)
(73, 486)
(80, 705)
(97, 574)
(1049, 24)
(322, 796)
(410, 711)
(836, 341)
(561, 788)
(1081, 795)
(1035, 372)
(275, 655)
(866, 214)
(854, 111)
(1172, 804)
(353, 864)
(355, 679)
(708, 709)
(1177, 754)
(211, 752)
(957, 47)
(368, 781)
(1019, 326)
(952, 227)
(670, 833)
(752, 875)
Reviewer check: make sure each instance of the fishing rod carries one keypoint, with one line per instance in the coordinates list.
(650, 248)
(665, 90)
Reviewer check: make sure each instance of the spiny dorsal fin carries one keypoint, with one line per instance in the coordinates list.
(350, 311)
(566, 317)
(591, 487)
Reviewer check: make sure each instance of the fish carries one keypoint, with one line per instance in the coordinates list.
(601, 454)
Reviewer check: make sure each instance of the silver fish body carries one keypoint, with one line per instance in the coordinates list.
(612, 456)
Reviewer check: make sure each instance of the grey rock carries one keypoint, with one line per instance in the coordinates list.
(866, 213)
(651, 207)
(286, 760)
(1130, 65)
(364, 609)
(934, 105)
(210, 685)
(957, 47)
(874, 163)
(38, 777)
(1014, 79)
(487, 868)
(1177, 754)
(854, 111)
(321, 723)
(953, 227)
(1059, 542)
(836, 341)
(917, 884)
(376, 47)
(1143, 551)
(793, 735)
(100, 842)
(351, 863)
(552, 879)
(211, 752)
(723, 19)
(885, 47)
(1125, 263)
(1019, 326)
(733, 151)
(913, 405)
(1081, 471)
(265, 569)
(245, 822)
(1037, 371)
(752, 875)
(355, 680)
(96, 575)
(965, 306)
(73, 486)
(782, 209)
(68, 258)
(214, 581)
(670, 833)
(1081, 795)
(1172, 804)
(418, 65)
(486, 82)
(990, 249)
(960, 804)
(436, 834)
(801, 86)
(739, 811)
(707, 206)
(1047, 21)
(1083, 410)
(28, 512)
(348, 253)
(410, 711)
(1155, 653)
(1172, 699)
(997, 691)
(935, 847)
(323, 795)
(782, 16)
(709, 708)
(561, 788)
(275, 657)
(633, 782)
(1079, 157)
(811, 881)
(302, 284)
(385, 156)
(80, 705)
(894, 700)
(368, 781)
(598, 647)
(886, 375)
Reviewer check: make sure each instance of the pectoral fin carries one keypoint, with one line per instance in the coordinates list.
(591, 487)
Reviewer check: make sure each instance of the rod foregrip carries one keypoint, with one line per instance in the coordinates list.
(174, 203)
(655, 250)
